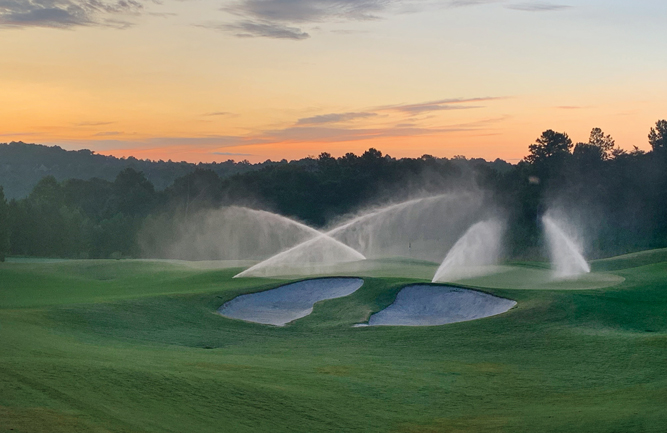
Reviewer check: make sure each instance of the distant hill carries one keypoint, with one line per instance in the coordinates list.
(22, 165)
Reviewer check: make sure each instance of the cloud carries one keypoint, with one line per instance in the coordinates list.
(295, 134)
(569, 107)
(481, 123)
(440, 105)
(530, 6)
(259, 29)
(162, 14)
(232, 154)
(208, 140)
(324, 128)
(285, 19)
(44, 17)
(334, 118)
(107, 133)
(94, 123)
(205, 144)
(310, 11)
(349, 32)
(117, 24)
(409, 109)
(537, 7)
(461, 3)
(65, 14)
(331, 135)
(218, 113)
(18, 134)
(423, 108)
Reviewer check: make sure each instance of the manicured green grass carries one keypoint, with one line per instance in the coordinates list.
(132, 346)
(531, 277)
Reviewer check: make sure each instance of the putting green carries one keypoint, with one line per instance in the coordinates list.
(633, 260)
(136, 346)
(397, 267)
(534, 278)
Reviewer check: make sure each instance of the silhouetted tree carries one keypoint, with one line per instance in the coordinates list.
(133, 194)
(550, 144)
(201, 188)
(588, 153)
(547, 159)
(90, 196)
(42, 225)
(47, 192)
(326, 162)
(605, 143)
(658, 136)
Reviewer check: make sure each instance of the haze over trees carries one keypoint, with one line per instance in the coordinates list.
(618, 197)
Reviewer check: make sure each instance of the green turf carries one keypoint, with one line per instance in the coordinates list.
(632, 260)
(533, 277)
(132, 346)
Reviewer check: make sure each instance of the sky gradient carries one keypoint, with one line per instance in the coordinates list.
(202, 80)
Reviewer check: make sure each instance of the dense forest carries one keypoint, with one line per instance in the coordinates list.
(621, 196)
(23, 165)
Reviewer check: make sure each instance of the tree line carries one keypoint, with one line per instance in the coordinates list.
(22, 165)
(620, 196)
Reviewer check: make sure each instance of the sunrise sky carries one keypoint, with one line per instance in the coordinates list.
(211, 80)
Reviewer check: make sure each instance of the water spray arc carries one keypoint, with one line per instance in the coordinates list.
(361, 218)
(320, 250)
(381, 232)
(230, 234)
(474, 254)
(566, 253)
(422, 228)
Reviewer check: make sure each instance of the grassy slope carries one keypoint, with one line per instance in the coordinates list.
(135, 347)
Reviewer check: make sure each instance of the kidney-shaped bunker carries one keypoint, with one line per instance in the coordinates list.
(289, 302)
(426, 305)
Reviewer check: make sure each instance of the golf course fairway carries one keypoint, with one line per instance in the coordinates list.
(137, 346)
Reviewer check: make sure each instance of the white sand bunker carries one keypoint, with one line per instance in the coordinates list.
(425, 305)
(289, 302)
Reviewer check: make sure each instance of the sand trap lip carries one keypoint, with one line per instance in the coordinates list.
(429, 305)
(289, 302)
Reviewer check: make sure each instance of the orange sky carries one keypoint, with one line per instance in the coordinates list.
(252, 79)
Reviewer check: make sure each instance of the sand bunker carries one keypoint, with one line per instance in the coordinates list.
(289, 302)
(426, 305)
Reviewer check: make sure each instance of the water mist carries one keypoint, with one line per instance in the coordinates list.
(474, 254)
(565, 251)
(228, 233)
(417, 228)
